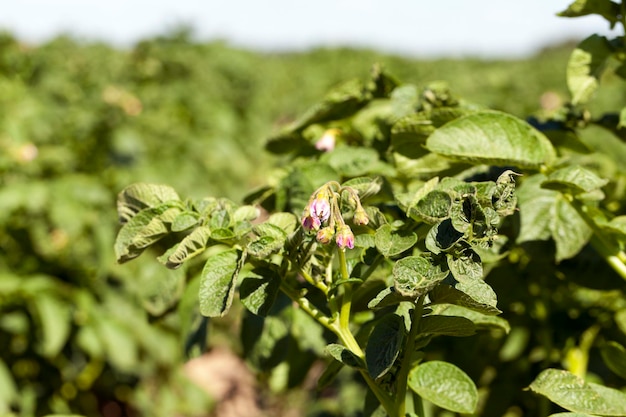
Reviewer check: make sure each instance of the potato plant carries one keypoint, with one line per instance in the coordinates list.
(395, 215)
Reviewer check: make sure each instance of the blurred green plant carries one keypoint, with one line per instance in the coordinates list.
(420, 227)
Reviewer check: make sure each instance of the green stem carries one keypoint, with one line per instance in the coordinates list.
(407, 360)
(316, 283)
(609, 251)
(307, 307)
(342, 330)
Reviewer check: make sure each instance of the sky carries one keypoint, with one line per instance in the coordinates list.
(427, 28)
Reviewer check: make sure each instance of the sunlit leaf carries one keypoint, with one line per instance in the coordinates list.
(585, 67)
(416, 275)
(445, 385)
(574, 394)
(493, 138)
(217, 285)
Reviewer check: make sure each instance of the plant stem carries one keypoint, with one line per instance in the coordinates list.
(409, 347)
(609, 251)
(307, 307)
(342, 330)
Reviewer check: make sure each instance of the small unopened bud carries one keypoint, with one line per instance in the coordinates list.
(325, 235)
(360, 217)
(345, 237)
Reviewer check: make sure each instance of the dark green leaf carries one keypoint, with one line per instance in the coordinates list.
(574, 394)
(416, 275)
(258, 290)
(217, 285)
(586, 66)
(383, 345)
(606, 8)
(391, 243)
(447, 326)
(442, 236)
(493, 138)
(614, 356)
(445, 385)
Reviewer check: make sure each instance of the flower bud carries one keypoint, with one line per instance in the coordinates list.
(325, 235)
(311, 223)
(345, 237)
(360, 217)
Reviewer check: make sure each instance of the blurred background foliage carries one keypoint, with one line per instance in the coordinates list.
(80, 121)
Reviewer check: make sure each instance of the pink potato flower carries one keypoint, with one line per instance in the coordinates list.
(345, 237)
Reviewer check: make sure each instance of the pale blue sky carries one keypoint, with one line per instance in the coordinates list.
(485, 28)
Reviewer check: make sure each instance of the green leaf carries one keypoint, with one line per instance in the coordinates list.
(433, 207)
(493, 138)
(119, 343)
(387, 297)
(192, 245)
(158, 288)
(184, 221)
(547, 214)
(270, 239)
(383, 345)
(287, 222)
(573, 179)
(345, 356)
(364, 186)
(145, 228)
(416, 275)
(574, 394)
(605, 8)
(245, 213)
(258, 290)
(8, 388)
(55, 322)
(353, 161)
(444, 385)
(447, 294)
(614, 356)
(585, 67)
(391, 243)
(342, 101)
(139, 196)
(570, 415)
(217, 285)
(442, 237)
(481, 321)
(447, 326)
(465, 266)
